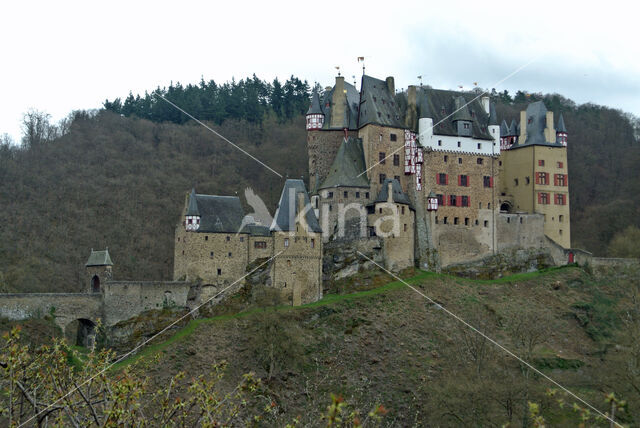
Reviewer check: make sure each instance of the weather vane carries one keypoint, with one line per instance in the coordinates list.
(361, 58)
(338, 68)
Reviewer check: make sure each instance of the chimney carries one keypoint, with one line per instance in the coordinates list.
(390, 191)
(301, 210)
(549, 130)
(338, 104)
(391, 85)
(485, 104)
(412, 111)
(523, 127)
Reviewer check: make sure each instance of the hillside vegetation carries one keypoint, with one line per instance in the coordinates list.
(118, 177)
(390, 345)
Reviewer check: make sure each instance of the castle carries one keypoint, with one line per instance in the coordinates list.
(427, 177)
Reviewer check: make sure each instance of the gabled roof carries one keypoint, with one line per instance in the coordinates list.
(193, 205)
(439, 104)
(350, 119)
(256, 230)
(315, 108)
(99, 258)
(287, 211)
(399, 197)
(348, 168)
(561, 127)
(378, 105)
(536, 122)
(219, 214)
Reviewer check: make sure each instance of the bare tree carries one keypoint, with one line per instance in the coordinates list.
(37, 129)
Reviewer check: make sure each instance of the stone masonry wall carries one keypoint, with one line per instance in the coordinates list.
(322, 147)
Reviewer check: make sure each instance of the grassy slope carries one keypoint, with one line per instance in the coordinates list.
(390, 345)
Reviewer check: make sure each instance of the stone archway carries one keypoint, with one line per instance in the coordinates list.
(81, 332)
(506, 207)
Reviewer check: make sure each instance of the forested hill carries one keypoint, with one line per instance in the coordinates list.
(118, 177)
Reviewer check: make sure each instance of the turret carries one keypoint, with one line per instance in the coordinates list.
(315, 116)
(561, 132)
(192, 218)
(494, 127)
(98, 268)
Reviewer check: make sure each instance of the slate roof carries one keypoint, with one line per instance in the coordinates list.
(315, 108)
(287, 210)
(431, 103)
(348, 166)
(493, 116)
(378, 105)
(192, 209)
(514, 129)
(536, 117)
(99, 258)
(219, 214)
(399, 197)
(350, 119)
(256, 230)
(561, 127)
(504, 129)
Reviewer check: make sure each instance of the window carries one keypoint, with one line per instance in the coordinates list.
(543, 198)
(487, 181)
(542, 178)
(440, 142)
(459, 143)
(466, 125)
(488, 205)
(382, 158)
(479, 146)
(440, 199)
(561, 199)
(499, 163)
(286, 242)
(211, 254)
(560, 179)
(230, 253)
(486, 223)
(560, 231)
(402, 210)
(530, 120)
(442, 178)
(393, 137)
(479, 161)
(260, 244)
(436, 219)
(242, 239)
(466, 221)
(446, 158)
(330, 207)
(228, 238)
(219, 271)
(206, 237)
(465, 201)
(515, 181)
(444, 220)
(455, 220)
(405, 227)
(463, 180)
(452, 200)
(346, 194)
(540, 162)
(396, 160)
(330, 195)
(357, 194)
(527, 180)
(313, 243)
(476, 222)
(560, 218)
(366, 195)
(382, 178)
(371, 230)
(459, 160)
(560, 165)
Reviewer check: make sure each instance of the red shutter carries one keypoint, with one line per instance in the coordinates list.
(446, 179)
(555, 179)
(539, 198)
(458, 201)
(566, 180)
(468, 201)
(468, 181)
(459, 180)
(490, 181)
(537, 178)
(444, 200)
(437, 178)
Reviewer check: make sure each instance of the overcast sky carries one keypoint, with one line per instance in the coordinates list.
(61, 56)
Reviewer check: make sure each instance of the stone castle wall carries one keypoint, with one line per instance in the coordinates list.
(322, 147)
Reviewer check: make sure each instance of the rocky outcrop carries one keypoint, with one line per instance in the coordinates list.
(502, 264)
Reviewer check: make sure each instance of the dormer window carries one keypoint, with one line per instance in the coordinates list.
(530, 120)
(466, 125)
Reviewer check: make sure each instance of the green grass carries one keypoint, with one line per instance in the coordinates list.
(328, 299)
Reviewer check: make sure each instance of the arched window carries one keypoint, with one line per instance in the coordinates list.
(95, 284)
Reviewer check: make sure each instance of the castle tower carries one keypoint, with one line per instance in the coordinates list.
(494, 127)
(192, 218)
(315, 116)
(98, 268)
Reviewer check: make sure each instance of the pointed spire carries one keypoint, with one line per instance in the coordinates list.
(193, 204)
(513, 129)
(493, 117)
(504, 129)
(315, 108)
(561, 127)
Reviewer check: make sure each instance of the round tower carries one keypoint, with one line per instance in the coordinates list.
(315, 116)
(192, 217)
